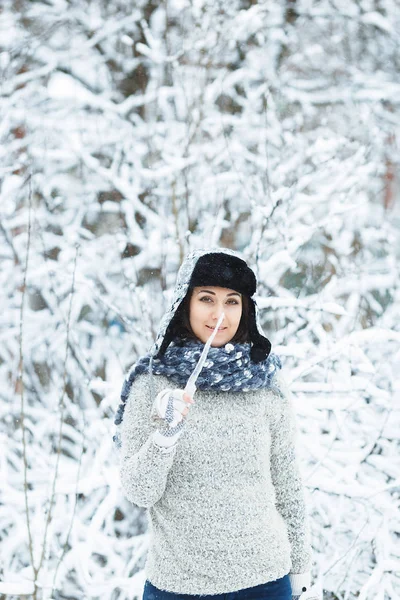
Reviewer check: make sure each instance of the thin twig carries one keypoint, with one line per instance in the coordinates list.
(65, 547)
(21, 386)
(61, 404)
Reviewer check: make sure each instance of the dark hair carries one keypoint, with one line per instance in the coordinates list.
(181, 329)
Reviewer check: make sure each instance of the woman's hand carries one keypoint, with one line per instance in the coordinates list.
(171, 406)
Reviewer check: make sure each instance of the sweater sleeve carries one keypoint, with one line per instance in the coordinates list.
(286, 478)
(144, 465)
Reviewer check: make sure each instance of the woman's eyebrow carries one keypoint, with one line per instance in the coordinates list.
(213, 293)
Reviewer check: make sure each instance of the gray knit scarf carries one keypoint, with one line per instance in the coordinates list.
(227, 368)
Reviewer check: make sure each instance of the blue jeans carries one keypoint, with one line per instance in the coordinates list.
(280, 589)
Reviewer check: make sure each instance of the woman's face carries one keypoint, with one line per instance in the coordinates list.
(205, 308)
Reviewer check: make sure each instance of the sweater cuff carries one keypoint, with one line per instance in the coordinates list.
(300, 582)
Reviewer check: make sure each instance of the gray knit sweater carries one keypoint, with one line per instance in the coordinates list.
(226, 505)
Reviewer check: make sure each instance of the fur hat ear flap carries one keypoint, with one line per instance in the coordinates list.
(172, 329)
(260, 345)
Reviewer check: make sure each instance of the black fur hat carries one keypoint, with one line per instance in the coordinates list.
(224, 270)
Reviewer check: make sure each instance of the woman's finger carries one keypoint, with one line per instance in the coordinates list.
(180, 405)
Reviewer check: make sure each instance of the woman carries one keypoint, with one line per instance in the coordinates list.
(217, 472)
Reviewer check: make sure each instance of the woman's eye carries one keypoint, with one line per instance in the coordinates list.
(208, 299)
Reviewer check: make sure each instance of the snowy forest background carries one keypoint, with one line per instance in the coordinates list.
(131, 133)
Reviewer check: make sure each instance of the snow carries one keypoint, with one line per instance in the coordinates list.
(378, 20)
(130, 136)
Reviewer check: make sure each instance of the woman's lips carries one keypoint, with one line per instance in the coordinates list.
(220, 329)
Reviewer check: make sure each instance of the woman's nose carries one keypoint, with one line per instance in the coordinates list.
(216, 312)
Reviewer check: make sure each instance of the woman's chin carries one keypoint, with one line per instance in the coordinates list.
(219, 343)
